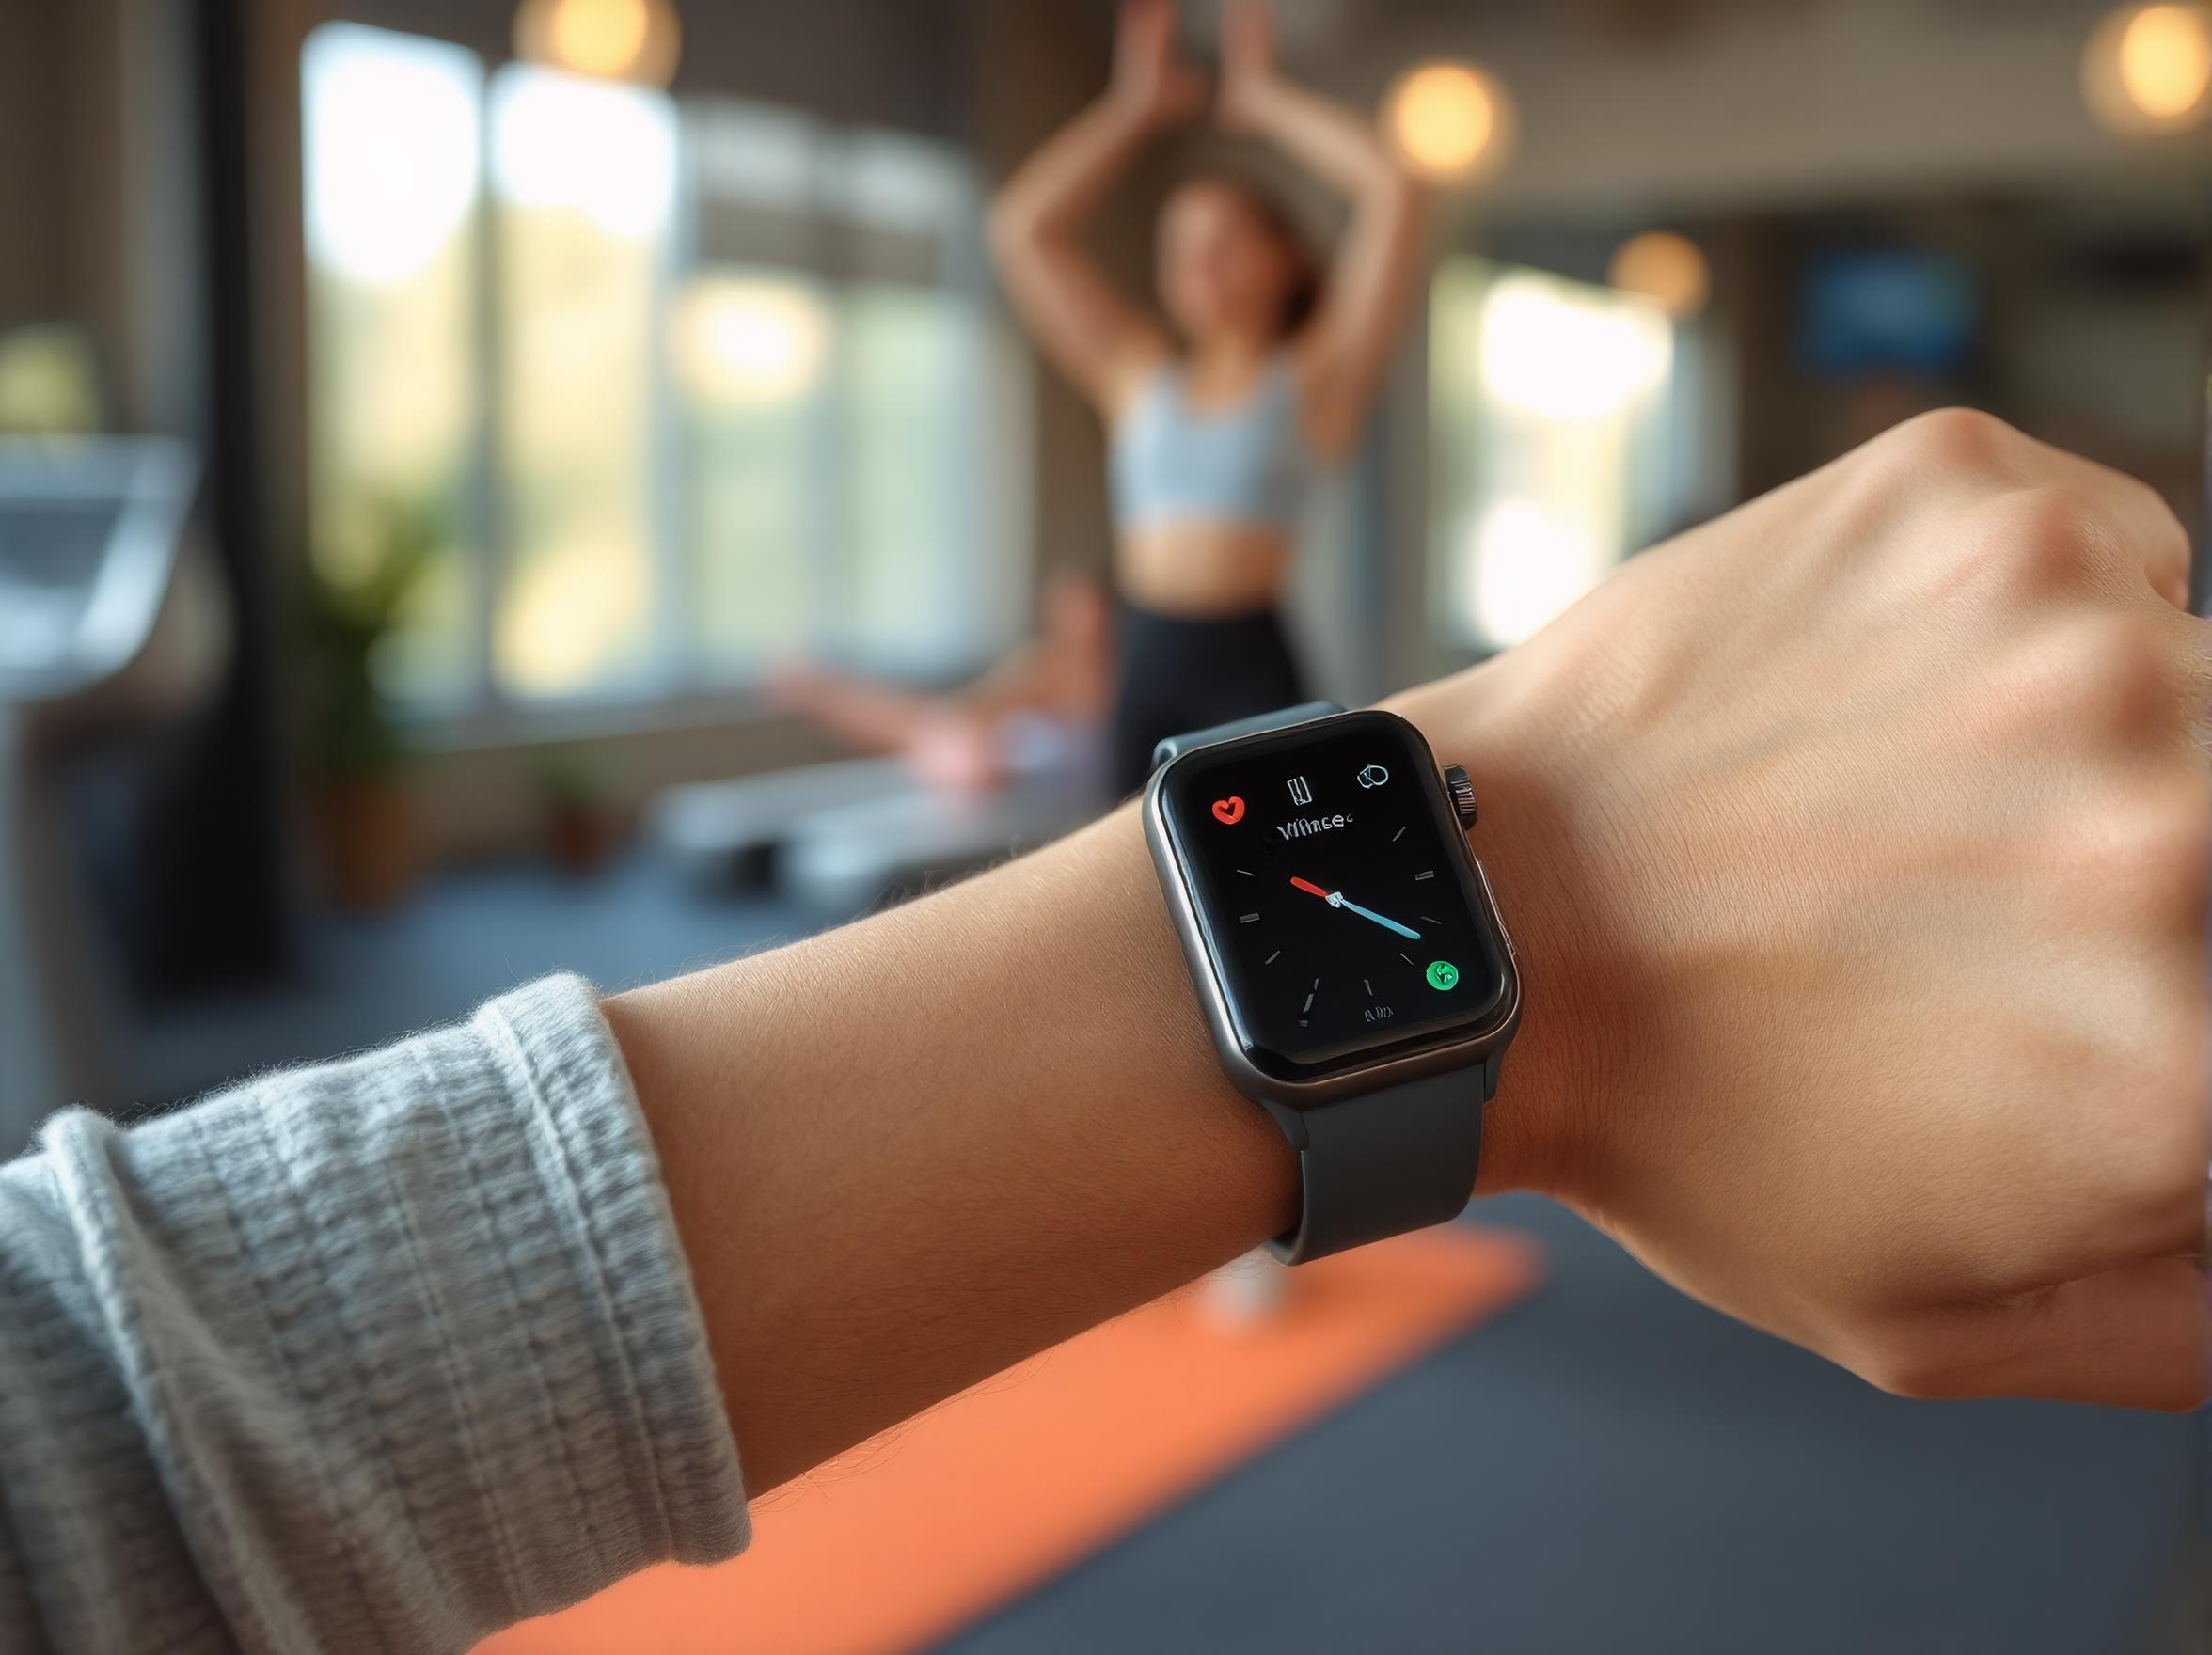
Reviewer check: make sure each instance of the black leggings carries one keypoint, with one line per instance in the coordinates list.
(1178, 675)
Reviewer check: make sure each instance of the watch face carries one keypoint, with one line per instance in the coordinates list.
(1335, 894)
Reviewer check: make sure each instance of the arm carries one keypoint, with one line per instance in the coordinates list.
(1345, 348)
(1864, 942)
(1795, 1034)
(1087, 328)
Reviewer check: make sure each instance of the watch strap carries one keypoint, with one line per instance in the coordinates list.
(1175, 747)
(1397, 1160)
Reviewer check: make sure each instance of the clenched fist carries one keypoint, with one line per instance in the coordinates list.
(1856, 846)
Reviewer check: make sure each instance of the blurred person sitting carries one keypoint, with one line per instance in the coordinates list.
(1040, 712)
(1222, 421)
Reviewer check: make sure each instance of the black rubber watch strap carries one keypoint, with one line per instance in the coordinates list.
(1394, 1160)
(1281, 718)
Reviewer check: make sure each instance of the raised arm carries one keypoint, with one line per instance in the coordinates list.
(1084, 323)
(1345, 346)
(1864, 946)
(1892, 1044)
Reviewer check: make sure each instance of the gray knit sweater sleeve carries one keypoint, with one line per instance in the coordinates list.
(379, 1356)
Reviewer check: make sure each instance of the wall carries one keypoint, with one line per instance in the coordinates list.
(1741, 102)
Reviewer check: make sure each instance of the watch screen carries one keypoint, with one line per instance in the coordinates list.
(1335, 893)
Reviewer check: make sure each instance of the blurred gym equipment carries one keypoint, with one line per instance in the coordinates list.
(113, 627)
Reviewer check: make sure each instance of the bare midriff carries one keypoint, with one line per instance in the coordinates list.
(1199, 570)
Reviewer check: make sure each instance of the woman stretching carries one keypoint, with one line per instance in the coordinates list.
(1216, 440)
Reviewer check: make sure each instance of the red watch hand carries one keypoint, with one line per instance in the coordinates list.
(1308, 885)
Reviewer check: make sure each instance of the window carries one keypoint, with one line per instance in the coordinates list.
(392, 132)
(678, 389)
(1548, 463)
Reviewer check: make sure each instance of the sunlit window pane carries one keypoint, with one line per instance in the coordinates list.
(582, 172)
(751, 351)
(734, 404)
(907, 364)
(1544, 404)
(391, 127)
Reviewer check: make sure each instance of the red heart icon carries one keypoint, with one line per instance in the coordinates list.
(1230, 809)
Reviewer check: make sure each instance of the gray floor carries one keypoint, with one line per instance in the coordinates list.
(1607, 1467)
(1614, 1467)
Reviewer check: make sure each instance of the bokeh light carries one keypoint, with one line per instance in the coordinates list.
(607, 151)
(1529, 565)
(748, 342)
(1666, 269)
(391, 136)
(569, 615)
(608, 40)
(1453, 122)
(2147, 70)
(1556, 354)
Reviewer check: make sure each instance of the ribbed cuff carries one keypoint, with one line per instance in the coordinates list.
(410, 1339)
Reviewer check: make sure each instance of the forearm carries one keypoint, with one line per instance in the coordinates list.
(1060, 188)
(1324, 137)
(965, 1130)
(1024, 680)
(908, 1153)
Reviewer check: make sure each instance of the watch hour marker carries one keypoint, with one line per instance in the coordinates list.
(1272, 957)
(1405, 956)
(1431, 919)
(1367, 985)
(1398, 835)
(1246, 918)
(1425, 874)
(1306, 1008)
(1248, 872)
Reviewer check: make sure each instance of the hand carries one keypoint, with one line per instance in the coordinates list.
(1150, 81)
(1248, 64)
(1856, 845)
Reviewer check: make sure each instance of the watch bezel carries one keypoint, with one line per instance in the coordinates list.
(1455, 1051)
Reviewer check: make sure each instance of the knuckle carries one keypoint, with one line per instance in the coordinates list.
(2146, 860)
(2127, 669)
(1956, 439)
(1910, 1366)
(2038, 537)
(2103, 679)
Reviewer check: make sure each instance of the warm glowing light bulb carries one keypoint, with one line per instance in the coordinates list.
(1665, 268)
(1452, 121)
(2166, 59)
(2148, 68)
(599, 37)
(606, 40)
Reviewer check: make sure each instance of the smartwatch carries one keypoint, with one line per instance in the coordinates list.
(1348, 952)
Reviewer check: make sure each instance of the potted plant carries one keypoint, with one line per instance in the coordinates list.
(581, 826)
(357, 755)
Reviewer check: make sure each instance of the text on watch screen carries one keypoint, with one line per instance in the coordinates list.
(1342, 918)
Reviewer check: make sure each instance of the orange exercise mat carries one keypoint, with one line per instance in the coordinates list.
(942, 1520)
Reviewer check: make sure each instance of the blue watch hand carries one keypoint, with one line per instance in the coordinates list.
(1336, 899)
(1405, 931)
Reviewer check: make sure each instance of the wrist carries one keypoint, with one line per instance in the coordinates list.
(1133, 112)
(1253, 104)
(1540, 1132)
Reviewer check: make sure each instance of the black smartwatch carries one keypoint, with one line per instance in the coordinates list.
(1347, 952)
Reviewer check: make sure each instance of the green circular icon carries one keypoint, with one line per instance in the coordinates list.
(1443, 974)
